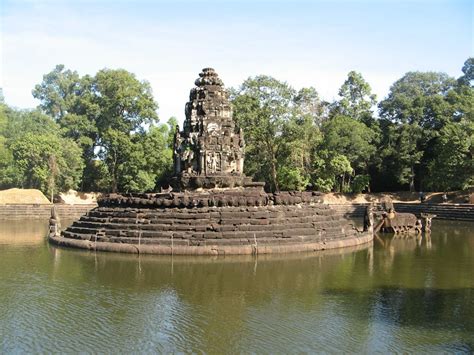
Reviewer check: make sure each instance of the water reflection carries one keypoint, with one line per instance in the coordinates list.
(22, 232)
(399, 294)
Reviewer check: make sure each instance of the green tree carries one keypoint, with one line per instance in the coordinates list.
(401, 153)
(8, 174)
(262, 106)
(32, 154)
(416, 109)
(418, 97)
(356, 100)
(125, 106)
(103, 114)
(352, 139)
(158, 147)
(125, 103)
(299, 139)
(69, 99)
(59, 92)
(332, 171)
(453, 166)
(281, 130)
(309, 104)
(468, 73)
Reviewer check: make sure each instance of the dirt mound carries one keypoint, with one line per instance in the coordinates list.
(23, 196)
(78, 198)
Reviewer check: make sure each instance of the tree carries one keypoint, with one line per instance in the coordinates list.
(125, 103)
(69, 99)
(33, 154)
(401, 152)
(356, 100)
(281, 130)
(59, 92)
(102, 114)
(418, 108)
(331, 170)
(418, 97)
(352, 139)
(299, 139)
(158, 147)
(453, 166)
(468, 71)
(125, 106)
(262, 106)
(309, 104)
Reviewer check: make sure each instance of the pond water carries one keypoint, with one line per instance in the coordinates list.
(399, 294)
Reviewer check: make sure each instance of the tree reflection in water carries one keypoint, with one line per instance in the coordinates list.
(400, 294)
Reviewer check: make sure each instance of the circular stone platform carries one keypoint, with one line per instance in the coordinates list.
(212, 223)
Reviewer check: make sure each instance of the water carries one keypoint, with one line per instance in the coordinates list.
(402, 295)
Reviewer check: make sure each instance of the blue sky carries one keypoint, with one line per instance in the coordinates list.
(306, 43)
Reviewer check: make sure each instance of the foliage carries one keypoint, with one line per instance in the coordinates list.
(262, 107)
(102, 114)
(101, 133)
(281, 130)
(356, 100)
(417, 107)
(346, 136)
(332, 171)
(360, 183)
(453, 167)
(36, 152)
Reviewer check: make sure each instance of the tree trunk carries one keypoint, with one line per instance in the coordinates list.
(368, 174)
(412, 180)
(274, 175)
(274, 170)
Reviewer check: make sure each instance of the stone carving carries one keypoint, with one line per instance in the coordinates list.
(388, 220)
(209, 152)
(428, 220)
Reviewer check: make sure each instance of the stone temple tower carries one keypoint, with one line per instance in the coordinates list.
(209, 152)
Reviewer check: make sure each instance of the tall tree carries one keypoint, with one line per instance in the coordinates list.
(417, 104)
(352, 139)
(262, 106)
(59, 92)
(468, 73)
(69, 99)
(34, 143)
(356, 100)
(309, 104)
(453, 165)
(102, 114)
(125, 106)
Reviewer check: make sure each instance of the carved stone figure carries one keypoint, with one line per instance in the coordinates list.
(177, 150)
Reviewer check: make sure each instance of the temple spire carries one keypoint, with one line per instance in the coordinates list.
(209, 152)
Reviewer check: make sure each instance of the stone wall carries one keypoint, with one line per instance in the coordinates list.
(460, 212)
(464, 212)
(352, 211)
(42, 211)
(230, 222)
(247, 197)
